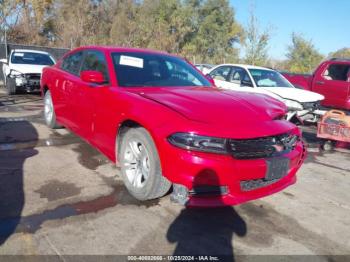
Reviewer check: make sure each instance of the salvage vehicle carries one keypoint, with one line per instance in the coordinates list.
(331, 79)
(22, 70)
(164, 125)
(302, 105)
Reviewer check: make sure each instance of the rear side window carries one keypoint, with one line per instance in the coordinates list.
(72, 63)
(95, 60)
(337, 72)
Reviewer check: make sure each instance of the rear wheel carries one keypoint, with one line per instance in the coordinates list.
(10, 86)
(140, 165)
(49, 112)
(328, 145)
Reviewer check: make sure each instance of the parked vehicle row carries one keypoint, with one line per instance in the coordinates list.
(302, 105)
(331, 79)
(22, 70)
(166, 125)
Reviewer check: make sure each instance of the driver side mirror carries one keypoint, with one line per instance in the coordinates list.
(93, 77)
(3, 60)
(210, 79)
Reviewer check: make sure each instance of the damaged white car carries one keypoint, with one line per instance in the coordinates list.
(22, 70)
(302, 105)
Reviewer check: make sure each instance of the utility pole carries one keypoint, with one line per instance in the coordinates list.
(5, 44)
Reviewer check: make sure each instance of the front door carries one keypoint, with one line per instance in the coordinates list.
(87, 94)
(220, 76)
(233, 78)
(333, 84)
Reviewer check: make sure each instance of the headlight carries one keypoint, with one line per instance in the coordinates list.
(15, 73)
(293, 105)
(199, 143)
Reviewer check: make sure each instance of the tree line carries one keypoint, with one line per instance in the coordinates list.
(203, 31)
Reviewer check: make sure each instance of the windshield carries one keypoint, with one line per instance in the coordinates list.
(268, 78)
(134, 69)
(31, 58)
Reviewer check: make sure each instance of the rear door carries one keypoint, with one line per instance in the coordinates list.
(331, 81)
(64, 87)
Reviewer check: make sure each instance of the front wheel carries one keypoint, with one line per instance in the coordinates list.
(10, 86)
(140, 165)
(49, 112)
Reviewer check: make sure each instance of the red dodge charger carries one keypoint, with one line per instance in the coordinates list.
(166, 125)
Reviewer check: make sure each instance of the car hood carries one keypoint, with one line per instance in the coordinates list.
(215, 106)
(295, 94)
(28, 69)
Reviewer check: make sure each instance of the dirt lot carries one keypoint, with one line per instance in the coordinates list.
(60, 196)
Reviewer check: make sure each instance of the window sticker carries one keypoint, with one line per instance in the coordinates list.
(131, 61)
(18, 54)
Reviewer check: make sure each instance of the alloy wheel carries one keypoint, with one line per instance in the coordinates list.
(136, 163)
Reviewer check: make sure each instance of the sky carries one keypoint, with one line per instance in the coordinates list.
(325, 22)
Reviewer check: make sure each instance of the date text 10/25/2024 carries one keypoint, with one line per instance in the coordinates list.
(173, 258)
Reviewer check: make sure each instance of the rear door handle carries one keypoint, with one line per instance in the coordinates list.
(320, 82)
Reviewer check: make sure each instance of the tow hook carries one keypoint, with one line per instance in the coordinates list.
(180, 194)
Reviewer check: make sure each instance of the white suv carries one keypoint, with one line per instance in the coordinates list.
(22, 70)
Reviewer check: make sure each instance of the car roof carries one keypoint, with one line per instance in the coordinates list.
(122, 49)
(246, 66)
(31, 51)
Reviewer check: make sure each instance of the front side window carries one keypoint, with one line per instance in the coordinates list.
(240, 76)
(135, 69)
(269, 78)
(72, 63)
(221, 73)
(30, 58)
(95, 61)
(336, 72)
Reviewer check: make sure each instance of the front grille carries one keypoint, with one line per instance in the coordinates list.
(262, 147)
(311, 105)
(208, 190)
(33, 79)
(257, 183)
(33, 76)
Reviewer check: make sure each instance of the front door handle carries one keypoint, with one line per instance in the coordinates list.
(320, 82)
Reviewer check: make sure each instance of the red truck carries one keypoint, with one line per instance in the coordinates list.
(331, 79)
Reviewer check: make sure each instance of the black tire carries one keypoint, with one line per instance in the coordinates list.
(10, 86)
(50, 121)
(156, 185)
(328, 146)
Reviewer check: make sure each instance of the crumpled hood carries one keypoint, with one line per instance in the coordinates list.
(28, 69)
(215, 106)
(295, 94)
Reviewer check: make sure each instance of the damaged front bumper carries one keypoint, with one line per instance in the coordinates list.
(310, 113)
(27, 82)
(224, 180)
